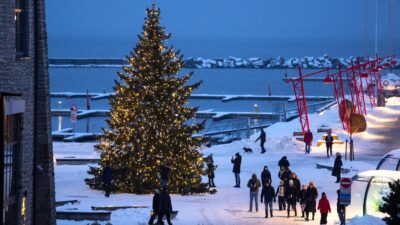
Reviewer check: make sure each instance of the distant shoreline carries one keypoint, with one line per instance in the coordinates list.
(307, 62)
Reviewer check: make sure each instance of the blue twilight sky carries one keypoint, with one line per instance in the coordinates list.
(76, 22)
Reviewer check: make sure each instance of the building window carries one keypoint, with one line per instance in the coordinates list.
(20, 27)
(10, 155)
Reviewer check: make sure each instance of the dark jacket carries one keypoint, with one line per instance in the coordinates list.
(308, 137)
(262, 136)
(285, 176)
(311, 199)
(323, 205)
(254, 185)
(302, 196)
(107, 174)
(165, 172)
(283, 162)
(337, 167)
(328, 140)
(266, 175)
(268, 194)
(291, 195)
(210, 170)
(165, 203)
(237, 161)
(296, 184)
(156, 203)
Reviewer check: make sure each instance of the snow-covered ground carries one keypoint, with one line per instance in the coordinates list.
(230, 205)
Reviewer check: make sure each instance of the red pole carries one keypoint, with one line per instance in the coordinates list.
(346, 122)
(304, 99)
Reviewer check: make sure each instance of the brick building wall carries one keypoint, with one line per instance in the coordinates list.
(28, 76)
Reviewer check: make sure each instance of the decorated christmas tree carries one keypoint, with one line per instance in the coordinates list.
(149, 123)
(391, 204)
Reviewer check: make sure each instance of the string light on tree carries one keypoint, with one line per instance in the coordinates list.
(148, 119)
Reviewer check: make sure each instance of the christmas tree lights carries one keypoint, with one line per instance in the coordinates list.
(148, 120)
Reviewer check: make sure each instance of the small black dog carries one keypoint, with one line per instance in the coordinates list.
(247, 150)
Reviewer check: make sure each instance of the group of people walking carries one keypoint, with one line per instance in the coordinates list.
(289, 193)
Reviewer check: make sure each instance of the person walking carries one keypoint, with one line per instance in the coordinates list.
(165, 207)
(156, 206)
(311, 200)
(253, 184)
(291, 198)
(340, 208)
(329, 143)
(237, 161)
(308, 138)
(337, 167)
(210, 173)
(266, 175)
(296, 181)
(280, 192)
(284, 163)
(285, 176)
(267, 195)
(302, 199)
(107, 178)
(262, 138)
(324, 208)
(165, 173)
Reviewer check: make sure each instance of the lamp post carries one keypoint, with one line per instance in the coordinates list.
(256, 110)
(59, 117)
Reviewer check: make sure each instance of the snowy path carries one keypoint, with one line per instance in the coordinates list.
(229, 205)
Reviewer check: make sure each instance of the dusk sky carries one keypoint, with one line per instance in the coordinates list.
(331, 20)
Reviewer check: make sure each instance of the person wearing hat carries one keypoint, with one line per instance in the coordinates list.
(156, 206)
(337, 167)
(268, 195)
(324, 208)
(253, 184)
(311, 200)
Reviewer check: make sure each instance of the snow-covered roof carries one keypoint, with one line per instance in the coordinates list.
(380, 173)
(394, 153)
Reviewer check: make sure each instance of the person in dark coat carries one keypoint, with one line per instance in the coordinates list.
(107, 178)
(324, 208)
(165, 207)
(285, 176)
(291, 198)
(165, 174)
(284, 163)
(302, 199)
(210, 173)
(329, 143)
(337, 167)
(237, 161)
(262, 138)
(156, 206)
(254, 185)
(340, 208)
(266, 175)
(280, 192)
(308, 138)
(296, 181)
(267, 195)
(311, 200)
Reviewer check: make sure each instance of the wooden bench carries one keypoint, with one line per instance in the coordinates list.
(298, 133)
(335, 142)
(112, 208)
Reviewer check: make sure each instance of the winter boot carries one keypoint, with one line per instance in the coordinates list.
(302, 214)
(266, 213)
(295, 212)
(307, 216)
(288, 214)
(270, 212)
(313, 214)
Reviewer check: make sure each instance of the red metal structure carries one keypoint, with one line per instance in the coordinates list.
(355, 75)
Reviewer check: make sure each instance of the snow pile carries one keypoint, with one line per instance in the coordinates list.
(366, 220)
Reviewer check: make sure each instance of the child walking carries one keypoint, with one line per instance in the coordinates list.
(324, 208)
